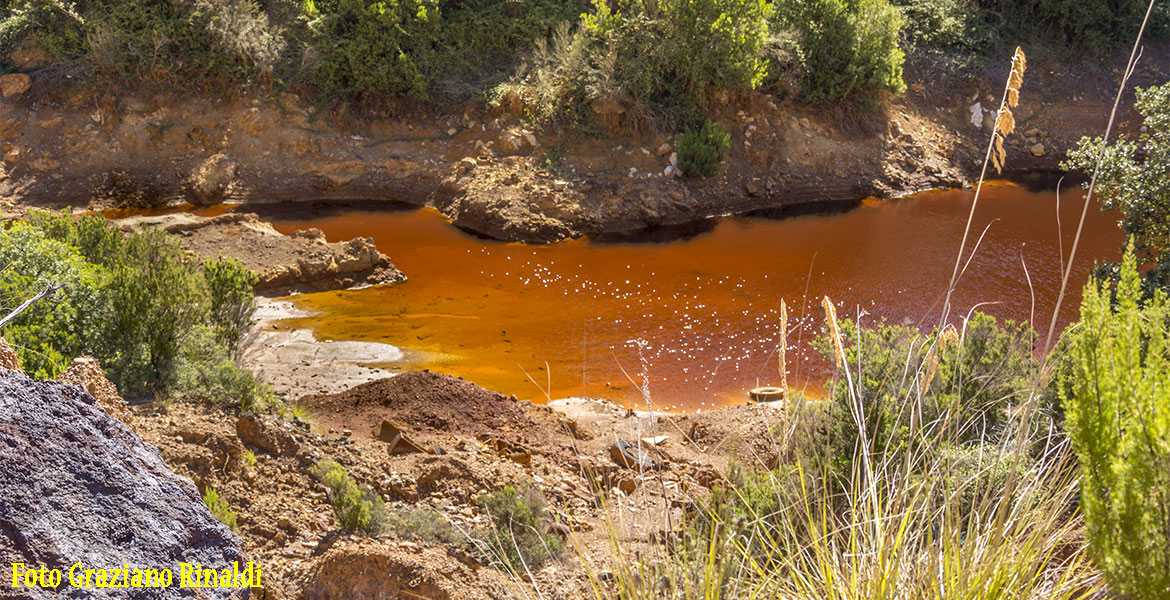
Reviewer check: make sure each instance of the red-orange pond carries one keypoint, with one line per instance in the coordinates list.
(697, 319)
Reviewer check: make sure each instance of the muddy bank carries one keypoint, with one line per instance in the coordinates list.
(293, 362)
(301, 262)
(489, 174)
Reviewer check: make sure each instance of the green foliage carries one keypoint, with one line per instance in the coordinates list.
(951, 25)
(847, 46)
(372, 49)
(650, 59)
(50, 333)
(158, 323)
(421, 524)
(1133, 182)
(205, 370)
(156, 298)
(909, 389)
(356, 507)
(1074, 23)
(230, 285)
(1119, 422)
(699, 151)
(982, 376)
(367, 46)
(248, 458)
(517, 539)
(176, 42)
(219, 508)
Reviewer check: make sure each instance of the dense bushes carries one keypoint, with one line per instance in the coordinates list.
(846, 46)
(176, 42)
(160, 324)
(356, 507)
(1119, 422)
(657, 59)
(909, 389)
(650, 60)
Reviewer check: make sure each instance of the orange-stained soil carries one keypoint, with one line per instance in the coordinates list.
(698, 316)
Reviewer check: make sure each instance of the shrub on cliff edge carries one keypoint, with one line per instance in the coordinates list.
(700, 150)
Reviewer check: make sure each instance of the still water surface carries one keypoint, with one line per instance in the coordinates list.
(697, 318)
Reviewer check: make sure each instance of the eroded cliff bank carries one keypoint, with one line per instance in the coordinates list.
(487, 170)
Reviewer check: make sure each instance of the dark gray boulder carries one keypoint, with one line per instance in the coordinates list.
(77, 486)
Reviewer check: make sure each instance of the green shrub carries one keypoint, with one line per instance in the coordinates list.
(158, 323)
(847, 46)
(219, 508)
(990, 369)
(1073, 23)
(368, 47)
(63, 325)
(954, 25)
(516, 539)
(156, 299)
(1133, 182)
(230, 285)
(177, 42)
(909, 388)
(1119, 422)
(356, 507)
(421, 524)
(699, 151)
(204, 370)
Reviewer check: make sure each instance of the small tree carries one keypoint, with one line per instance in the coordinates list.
(1133, 181)
(230, 284)
(699, 151)
(1119, 421)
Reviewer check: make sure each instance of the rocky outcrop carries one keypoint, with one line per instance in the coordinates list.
(370, 569)
(304, 261)
(86, 373)
(80, 487)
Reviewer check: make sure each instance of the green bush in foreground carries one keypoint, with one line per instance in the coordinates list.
(219, 508)
(356, 507)
(699, 151)
(1119, 421)
(516, 538)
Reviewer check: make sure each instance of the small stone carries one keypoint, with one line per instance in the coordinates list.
(664, 149)
(1037, 150)
(452, 131)
(14, 84)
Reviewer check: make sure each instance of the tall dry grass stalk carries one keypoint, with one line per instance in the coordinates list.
(1005, 124)
(784, 347)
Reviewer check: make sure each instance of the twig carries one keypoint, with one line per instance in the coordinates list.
(27, 303)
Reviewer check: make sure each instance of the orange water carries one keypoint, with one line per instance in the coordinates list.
(698, 318)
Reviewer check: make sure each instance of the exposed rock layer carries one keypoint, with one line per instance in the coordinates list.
(304, 261)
